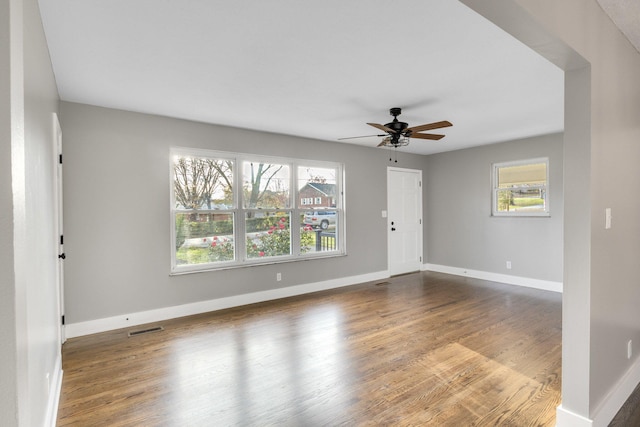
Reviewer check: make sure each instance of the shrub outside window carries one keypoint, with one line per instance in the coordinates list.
(521, 188)
(231, 210)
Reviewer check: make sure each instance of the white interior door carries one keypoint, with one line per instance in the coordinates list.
(57, 188)
(404, 220)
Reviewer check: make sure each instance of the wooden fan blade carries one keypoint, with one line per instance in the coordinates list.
(432, 136)
(382, 127)
(365, 136)
(384, 142)
(429, 126)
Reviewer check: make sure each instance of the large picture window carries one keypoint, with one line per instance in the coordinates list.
(521, 188)
(231, 209)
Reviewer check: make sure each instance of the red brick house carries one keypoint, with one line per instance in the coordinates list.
(318, 195)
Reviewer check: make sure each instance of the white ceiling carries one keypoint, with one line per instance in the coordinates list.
(626, 15)
(318, 69)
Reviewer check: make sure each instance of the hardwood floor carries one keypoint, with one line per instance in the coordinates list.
(420, 349)
(629, 414)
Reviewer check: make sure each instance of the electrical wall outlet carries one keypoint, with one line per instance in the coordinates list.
(607, 218)
(278, 276)
(508, 265)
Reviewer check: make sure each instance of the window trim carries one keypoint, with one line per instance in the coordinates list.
(494, 188)
(295, 210)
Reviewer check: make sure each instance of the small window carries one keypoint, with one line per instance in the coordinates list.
(521, 188)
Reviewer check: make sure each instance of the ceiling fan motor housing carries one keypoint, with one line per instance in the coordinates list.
(397, 126)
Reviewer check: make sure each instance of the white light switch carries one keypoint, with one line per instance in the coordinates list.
(384, 214)
(607, 218)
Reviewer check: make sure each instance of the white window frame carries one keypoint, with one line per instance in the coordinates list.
(495, 188)
(295, 210)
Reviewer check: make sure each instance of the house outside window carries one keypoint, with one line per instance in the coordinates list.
(230, 210)
(319, 194)
(521, 188)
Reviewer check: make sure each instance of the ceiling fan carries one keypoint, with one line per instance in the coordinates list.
(397, 133)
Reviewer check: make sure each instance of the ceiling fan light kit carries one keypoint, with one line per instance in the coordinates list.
(397, 133)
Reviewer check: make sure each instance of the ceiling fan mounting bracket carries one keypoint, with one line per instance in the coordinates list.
(395, 111)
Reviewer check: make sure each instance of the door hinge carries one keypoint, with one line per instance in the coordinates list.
(61, 239)
(60, 158)
(63, 320)
(419, 183)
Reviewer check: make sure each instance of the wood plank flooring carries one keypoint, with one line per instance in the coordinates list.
(629, 414)
(416, 350)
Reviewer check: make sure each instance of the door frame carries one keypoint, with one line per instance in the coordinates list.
(58, 224)
(391, 169)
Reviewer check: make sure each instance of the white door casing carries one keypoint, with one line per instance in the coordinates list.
(404, 220)
(58, 223)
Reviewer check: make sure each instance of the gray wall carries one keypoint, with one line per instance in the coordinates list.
(462, 233)
(117, 219)
(116, 206)
(28, 310)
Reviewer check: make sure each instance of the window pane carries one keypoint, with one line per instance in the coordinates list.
(520, 188)
(265, 185)
(268, 234)
(204, 238)
(319, 231)
(522, 175)
(202, 183)
(317, 187)
(521, 200)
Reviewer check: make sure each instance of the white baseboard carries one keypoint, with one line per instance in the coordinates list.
(127, 320)
(617, 396)
(565, 418)
(496, 277)
(54, 394)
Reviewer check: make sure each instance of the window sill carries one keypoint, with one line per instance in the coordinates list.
(522, 215)
(210, 268)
